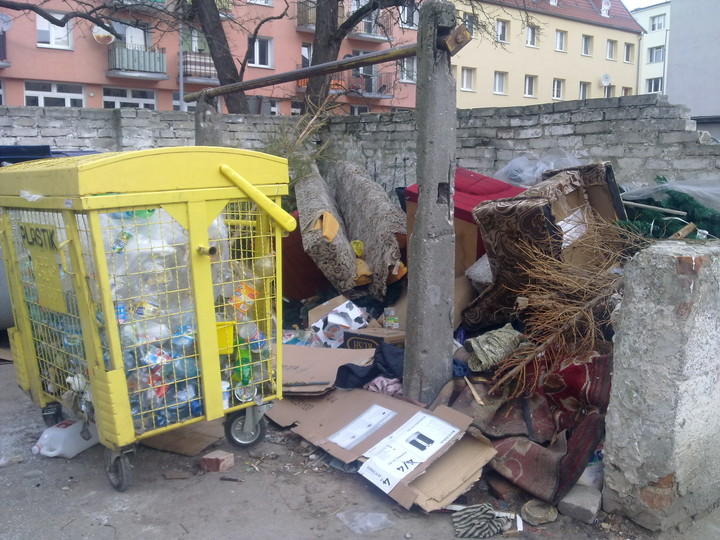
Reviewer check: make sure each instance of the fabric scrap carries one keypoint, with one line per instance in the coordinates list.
(479, 521)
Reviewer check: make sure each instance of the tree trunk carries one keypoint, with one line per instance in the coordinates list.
(212, 27)
(326, 48)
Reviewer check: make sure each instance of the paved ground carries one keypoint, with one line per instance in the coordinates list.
(284, 489)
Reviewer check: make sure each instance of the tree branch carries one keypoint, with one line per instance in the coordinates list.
(254, 35)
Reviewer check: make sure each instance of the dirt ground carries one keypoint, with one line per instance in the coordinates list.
(281, 488)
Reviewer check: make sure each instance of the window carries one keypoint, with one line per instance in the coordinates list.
(502, 28)
(306, 54)
(531, 35)
(530, 85)
(409, 15)
(194, 41)
(134, 37)
(470, 22)
(274, 108)
(2, 94)
(560, 40)
(189, 107)
(467, 79)
(655, 85)
(49, 35)
(500, 82)
(262, 54)
(296, 107)
(261, 2)
(558, 87)
(656, 54)
(584, 90)
(408, 70)
(120, 98)
(587, 46)
(627, 91)
(657, 22)
(50, 94)
(629, 55)
(609, 91)
(611, 49)
(357, 110)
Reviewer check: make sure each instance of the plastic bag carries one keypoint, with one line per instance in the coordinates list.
(705, 192)
(527, 170)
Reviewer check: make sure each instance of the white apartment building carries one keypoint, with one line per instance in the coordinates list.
(652, 59)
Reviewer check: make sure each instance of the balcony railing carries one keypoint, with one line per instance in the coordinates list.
(198, 65)
(377, 26)
(370, 86)
(4, 61)
(136, 58)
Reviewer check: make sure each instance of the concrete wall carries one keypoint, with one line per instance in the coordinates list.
(643, 136)
(662, 451)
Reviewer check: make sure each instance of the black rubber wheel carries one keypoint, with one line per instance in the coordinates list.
(118, 469)
(52, 413)
(237, 436)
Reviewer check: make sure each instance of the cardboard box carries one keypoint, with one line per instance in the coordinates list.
(312, 370)
(414, 455)
(371, 338)
(343, 315)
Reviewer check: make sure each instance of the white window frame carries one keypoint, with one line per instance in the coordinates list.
(2, 94)
(657, 22)
(609, 91)
(55, 92)
(269, 43)
(471, 23)
(627, 91)
(58, 37)
(561, 40)
(530, 86)
(558, 89)
(611, 49)
(654, 85)
(629, 53)
(408, 70)
(531, 36)
(586, 45)
(656, 54)
(357, 110)
(261, 2)
(409, 16)
(467, 79)
(502, 31)
(500, 79)
(584, 90)
(129, 100)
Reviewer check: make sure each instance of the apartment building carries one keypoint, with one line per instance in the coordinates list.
(540, 51)
(80, 66)
(653, 58)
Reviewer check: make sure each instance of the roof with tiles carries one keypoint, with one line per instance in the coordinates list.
(588, 11)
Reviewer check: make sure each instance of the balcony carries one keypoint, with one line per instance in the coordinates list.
(138, 5)
(376, 27)
(365, 85)
(4, 62)
(136, 62)
(199, 68)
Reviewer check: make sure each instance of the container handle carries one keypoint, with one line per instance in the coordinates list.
(63, 262)
(280, 216)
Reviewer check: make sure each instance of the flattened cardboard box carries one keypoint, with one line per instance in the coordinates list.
(357, 424)
(312, 370)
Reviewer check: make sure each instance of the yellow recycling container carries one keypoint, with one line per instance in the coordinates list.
(146, 289)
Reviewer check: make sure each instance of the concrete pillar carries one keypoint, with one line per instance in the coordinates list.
(208, 123)
(428, 353)
(663, 427)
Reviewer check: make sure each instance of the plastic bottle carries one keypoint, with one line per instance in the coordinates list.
(65, 439)
(241, 377)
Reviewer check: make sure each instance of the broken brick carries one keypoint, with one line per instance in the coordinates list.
(217, 461)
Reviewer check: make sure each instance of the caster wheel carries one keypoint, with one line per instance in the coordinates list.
(118, 469)
(52, 413)
(237, 435)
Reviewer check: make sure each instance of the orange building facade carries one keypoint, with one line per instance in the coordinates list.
(80, 66)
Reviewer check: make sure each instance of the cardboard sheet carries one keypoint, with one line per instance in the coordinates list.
(312, 370)
(399, 443)
(188, 440)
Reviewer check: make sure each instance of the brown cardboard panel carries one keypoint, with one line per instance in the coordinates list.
(371, 338)
(188, 440)
(318, 312)
(351, 424)
(312, 370)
